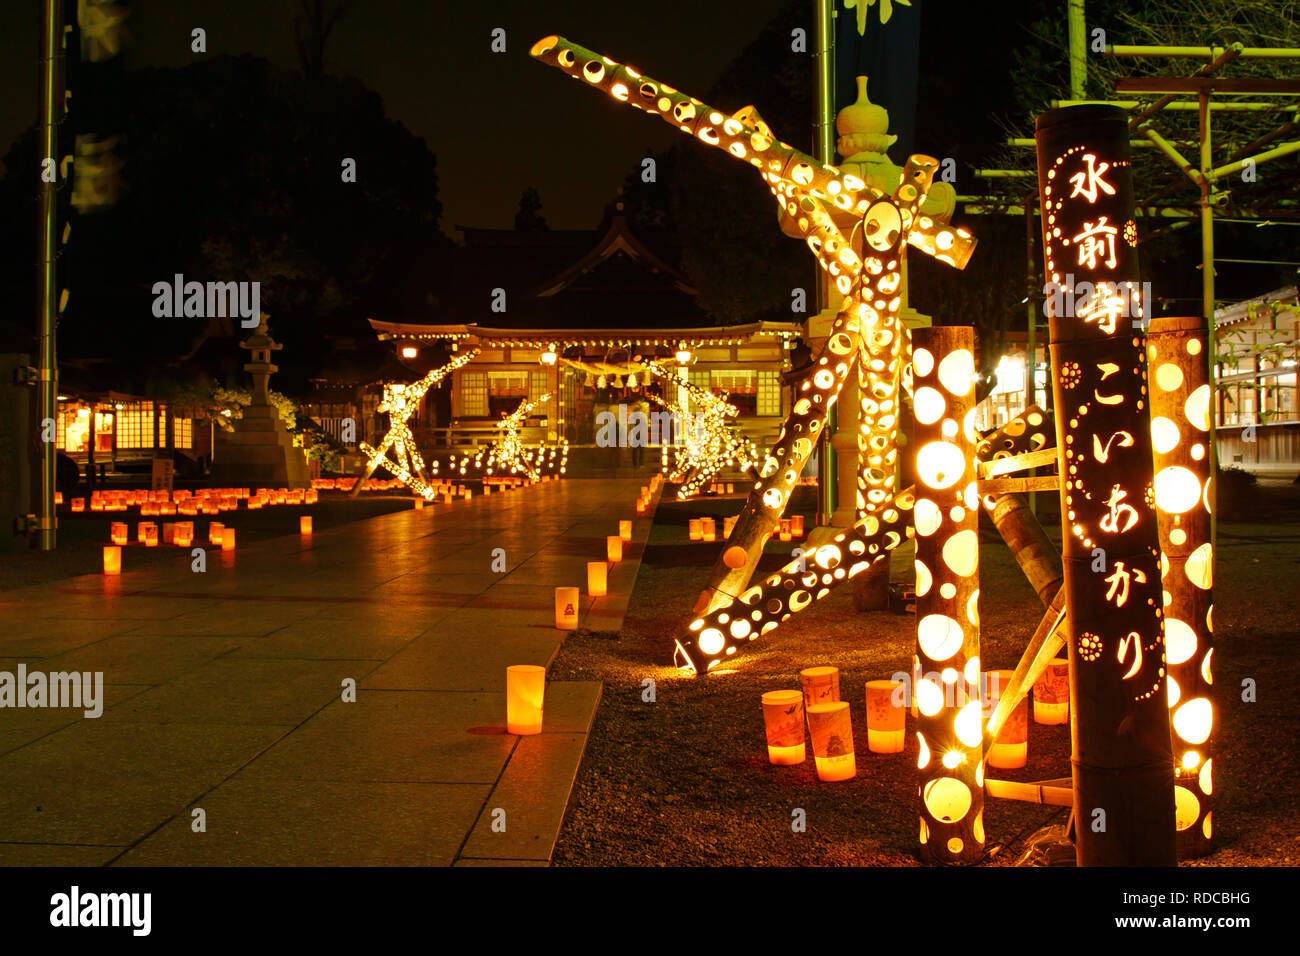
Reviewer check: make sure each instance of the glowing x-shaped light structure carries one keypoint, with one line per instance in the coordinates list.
(401, 401)
(711, 444)
(867, 272)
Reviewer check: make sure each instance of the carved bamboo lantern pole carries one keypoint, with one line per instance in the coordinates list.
(946, 515)
(1178, 366)
(1123, 767)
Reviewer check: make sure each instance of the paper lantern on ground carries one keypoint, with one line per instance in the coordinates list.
(640, 507)
(304, 524)
(215, 532)
(419, 504)
(117, 532)
(149, 534)
(168, 532)
(831, 730)
(625, 530)
(1052, 694)
(597, 578)
(183, 536)
(112, 559)
(446, 499)
(783, 721)
(525, 696)
(821, 685)
(1011, 749)
(227, 539)
(566, 609)
(708, 530)
(694, 529)
(796, 525)
(78, 504)
(614, 549)
(885, 718)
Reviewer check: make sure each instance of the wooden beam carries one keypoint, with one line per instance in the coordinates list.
(1047, 792)
(1012, 486)
(1023, 462)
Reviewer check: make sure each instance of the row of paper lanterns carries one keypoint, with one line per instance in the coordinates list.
(526, 683)
(818, 709)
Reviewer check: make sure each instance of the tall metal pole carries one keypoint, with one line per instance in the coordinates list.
(1207, 296)
(824, 148)
(47, 300)
(1078, 50)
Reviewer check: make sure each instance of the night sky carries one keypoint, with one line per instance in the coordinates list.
(432, 64)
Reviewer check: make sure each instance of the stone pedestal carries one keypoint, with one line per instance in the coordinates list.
(259, 453)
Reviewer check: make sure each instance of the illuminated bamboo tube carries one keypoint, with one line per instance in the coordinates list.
(566, 609)
(625, 530)
(597, 578)
(821, 685)
(1011, 748)
(886, 724)
(1178, 370)
(1119, 723)
(946, 519)
(724, 631)
(831, 730)
(525, 697)
(614, 549)
(783, 723)
(112, 560)
(1052, 694)
(743, 139)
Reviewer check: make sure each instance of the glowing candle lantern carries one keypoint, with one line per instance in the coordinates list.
(58, 497)
(885, 723)
(526, 695)
(783, 721)
(304, 524)
(419, 504)
(1011, 749)
(597, 578)
(446, 499)
(796, 526)
(1177, 360)
(821, 685)
(117, 532)
(1052, 694)
(150, 534)
(625, 530)
(227, 539)
(640, 508)
(694, 529)
(1120, 725)
(168, 532)
(831, 729)
(215, 532)
(731, 488)
(614, 549)
(78, 504)
(946, 517)
(566, 609)
(311, 497)
(183, 536)
(112, 559)
(708, 530)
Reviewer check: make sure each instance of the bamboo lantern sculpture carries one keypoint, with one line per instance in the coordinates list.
(950, 723)
(566, 609)
(1177, 362)
(867, 328)
(525, 698)
(1123, 778)
(783, 721)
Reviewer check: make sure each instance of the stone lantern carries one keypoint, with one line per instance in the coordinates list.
(260, 452)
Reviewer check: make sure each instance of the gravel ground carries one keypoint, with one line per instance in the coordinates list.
(83, 535)
(685, 780)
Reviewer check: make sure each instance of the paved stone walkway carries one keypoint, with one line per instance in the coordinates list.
(224, 692)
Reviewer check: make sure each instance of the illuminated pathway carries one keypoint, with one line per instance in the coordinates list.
(224, 693)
